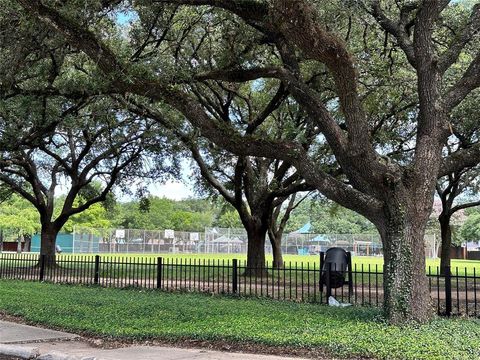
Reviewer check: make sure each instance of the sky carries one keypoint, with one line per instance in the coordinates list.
(174, 190)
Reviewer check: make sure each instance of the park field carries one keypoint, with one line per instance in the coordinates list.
(322, 331)
(367, 263)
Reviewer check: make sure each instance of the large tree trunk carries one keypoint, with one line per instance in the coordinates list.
(90, 243)
(256, 232)
(446, 233)
(28, 242)
(47, 244)
(276, 243)
(277, 253)
(19, 245)
(406, 289)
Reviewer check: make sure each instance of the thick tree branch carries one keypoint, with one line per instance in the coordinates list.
(460, 159)
(397, 29)
(68, 210)
(222, 134)
(238, 183)
(467, 83)
(240, 75)
(274, 104)
(472, 28)
(207, 174)
(318, 44)
(292, 189)
(332, 188)
(19, 190)
(251, 11)
(307, 97)
(187, 140)
(60, 160)
(464, 206)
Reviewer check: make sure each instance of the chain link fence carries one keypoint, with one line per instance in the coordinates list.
(223, 241)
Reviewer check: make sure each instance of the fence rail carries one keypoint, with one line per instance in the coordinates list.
(452, 294)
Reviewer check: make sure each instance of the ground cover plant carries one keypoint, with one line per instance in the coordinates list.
(131, 314)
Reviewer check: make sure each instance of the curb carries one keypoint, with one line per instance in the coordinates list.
(53, 355)
(34, 353)
(20, 352)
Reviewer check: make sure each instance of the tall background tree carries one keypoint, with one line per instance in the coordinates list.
(153, 213)
(457, 191)
(19, 219)
(470, 230)
(91, 150)
(255, 187)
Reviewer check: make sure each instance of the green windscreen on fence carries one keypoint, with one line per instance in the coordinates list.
(66, 243)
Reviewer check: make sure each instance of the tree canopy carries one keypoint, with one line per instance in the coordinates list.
(19, 217)
(161, 213)
(379, 83)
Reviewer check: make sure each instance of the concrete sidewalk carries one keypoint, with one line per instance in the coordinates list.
(37, 343)
(11, 333)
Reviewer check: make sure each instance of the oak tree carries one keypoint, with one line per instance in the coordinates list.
(283, 40)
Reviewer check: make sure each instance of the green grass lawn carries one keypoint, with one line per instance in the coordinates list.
(368, 262)
(130, 314)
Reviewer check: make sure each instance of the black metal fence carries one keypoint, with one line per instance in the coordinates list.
(452, 294)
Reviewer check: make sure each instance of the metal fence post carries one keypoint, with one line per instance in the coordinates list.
(97, 270)
(448, 291)
(235, 276)
(42, 267)
(350, 274)
(322, 276)
(327, 281)
(159, 272)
